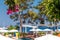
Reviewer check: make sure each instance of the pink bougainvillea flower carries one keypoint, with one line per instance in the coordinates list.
(15, 10)
(9, 11)
(17, 6)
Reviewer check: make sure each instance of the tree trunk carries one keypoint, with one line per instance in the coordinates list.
(20, 23)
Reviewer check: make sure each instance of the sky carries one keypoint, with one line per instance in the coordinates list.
(4, 18)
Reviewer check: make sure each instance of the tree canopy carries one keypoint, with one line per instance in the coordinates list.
(51, 8)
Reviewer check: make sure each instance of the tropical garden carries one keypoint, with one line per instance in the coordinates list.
(47, 8)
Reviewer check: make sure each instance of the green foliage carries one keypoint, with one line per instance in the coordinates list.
(16, 27)
(21, 34)
(51, 9)
(11, 27)
(33, 15)
(23, 5)
(41, 33)
(55, 33)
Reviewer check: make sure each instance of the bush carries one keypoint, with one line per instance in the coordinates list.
(55, 33)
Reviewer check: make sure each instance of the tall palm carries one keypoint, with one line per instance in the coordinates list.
(34, 16)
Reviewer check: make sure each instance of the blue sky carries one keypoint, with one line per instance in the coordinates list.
(4, 18)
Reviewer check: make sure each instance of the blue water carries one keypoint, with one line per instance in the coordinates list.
(25, 39)
(40, 27)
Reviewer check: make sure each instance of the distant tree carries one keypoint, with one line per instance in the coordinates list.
(16, 27)
(11, 27)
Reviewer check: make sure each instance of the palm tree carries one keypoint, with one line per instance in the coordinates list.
(34, 16)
